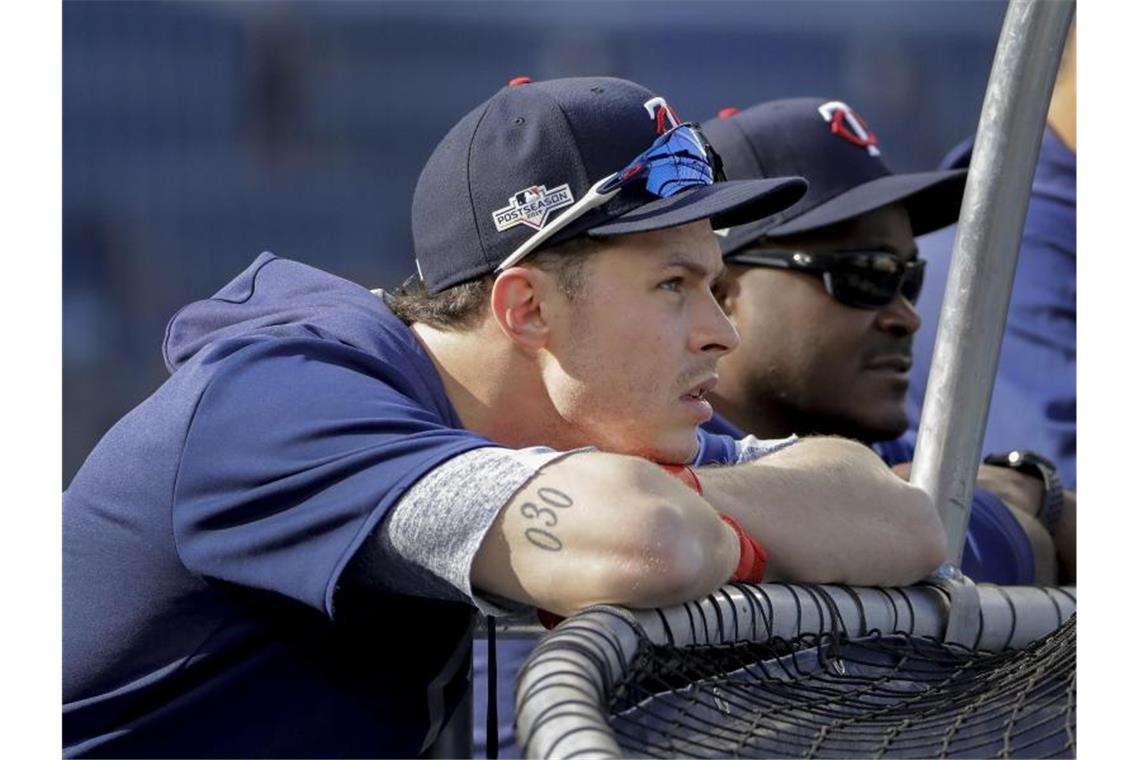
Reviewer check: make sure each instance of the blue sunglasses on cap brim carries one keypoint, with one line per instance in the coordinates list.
(677, 160)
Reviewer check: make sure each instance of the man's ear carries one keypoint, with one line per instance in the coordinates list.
(517, 304)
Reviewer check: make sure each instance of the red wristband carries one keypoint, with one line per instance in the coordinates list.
(753, 555)
(685, 474)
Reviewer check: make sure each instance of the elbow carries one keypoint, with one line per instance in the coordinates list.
(907, 545)
(664, 546)
(683, 556)
(929, 553)
(697, 560)
(925, 539)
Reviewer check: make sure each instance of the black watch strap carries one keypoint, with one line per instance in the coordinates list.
(1032, 463)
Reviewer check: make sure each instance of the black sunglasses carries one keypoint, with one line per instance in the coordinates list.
(859, 278)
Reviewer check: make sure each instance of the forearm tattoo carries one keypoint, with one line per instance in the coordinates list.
(546, 516)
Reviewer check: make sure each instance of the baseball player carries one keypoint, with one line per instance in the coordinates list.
(1035, 387)
(823, 295)
(281, 551)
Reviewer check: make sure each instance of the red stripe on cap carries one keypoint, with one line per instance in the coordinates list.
(517, 81)
(724, 113)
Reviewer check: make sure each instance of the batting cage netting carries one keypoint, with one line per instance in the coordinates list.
(809, 671)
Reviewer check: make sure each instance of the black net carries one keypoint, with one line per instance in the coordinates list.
(828, 696)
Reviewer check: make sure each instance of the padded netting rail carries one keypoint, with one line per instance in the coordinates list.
(808, 671)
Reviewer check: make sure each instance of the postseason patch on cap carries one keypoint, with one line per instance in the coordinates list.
(532, 206)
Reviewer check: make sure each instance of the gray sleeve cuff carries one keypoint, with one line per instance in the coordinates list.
(427, 544)
(751, 448)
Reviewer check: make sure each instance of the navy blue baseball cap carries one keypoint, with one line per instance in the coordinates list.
(527, 154)
(831, 145)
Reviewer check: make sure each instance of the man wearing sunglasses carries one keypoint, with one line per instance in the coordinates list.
(823, 297)
(280, 553)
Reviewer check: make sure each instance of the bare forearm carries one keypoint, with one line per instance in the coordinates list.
(829, 511)
(1023, 494)
(1041, 546)
(1054, 557)
(598, 528)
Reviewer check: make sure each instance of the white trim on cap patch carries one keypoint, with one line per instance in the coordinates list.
(532, 206)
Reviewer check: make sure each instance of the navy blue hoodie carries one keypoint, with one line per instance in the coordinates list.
(205, 538)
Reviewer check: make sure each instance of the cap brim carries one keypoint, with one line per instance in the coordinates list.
(933, 200)
(725, 204)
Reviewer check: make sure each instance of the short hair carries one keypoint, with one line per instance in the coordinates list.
(462, 306)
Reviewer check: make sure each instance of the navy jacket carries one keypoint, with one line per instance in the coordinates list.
(1034, 403)
(206, 537)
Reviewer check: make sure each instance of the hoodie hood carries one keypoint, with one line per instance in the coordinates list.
(275, 296)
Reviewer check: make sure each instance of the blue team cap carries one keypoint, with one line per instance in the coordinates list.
(831, 145)
(607, 154)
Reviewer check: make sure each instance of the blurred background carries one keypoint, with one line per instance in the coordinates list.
(197, 134)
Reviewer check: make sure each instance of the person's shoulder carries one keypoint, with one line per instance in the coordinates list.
(959, 156)
(294, 371)
(719, 425)
(277, 298)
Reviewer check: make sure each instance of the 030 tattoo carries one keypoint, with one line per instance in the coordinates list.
(546, 516)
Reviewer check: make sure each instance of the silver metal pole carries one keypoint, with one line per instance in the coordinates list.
(985, 252)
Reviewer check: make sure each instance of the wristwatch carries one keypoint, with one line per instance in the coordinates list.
(1032, 463)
